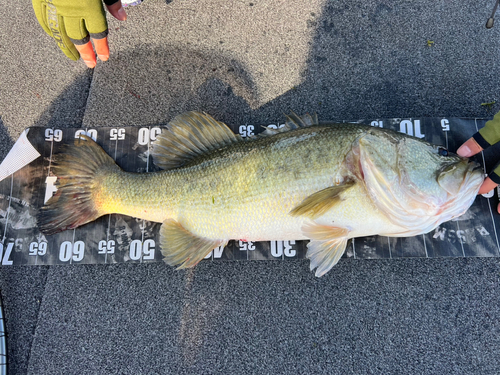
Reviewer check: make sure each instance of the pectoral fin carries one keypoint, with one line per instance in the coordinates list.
(179, 246)
(320, 202)
(326, 247)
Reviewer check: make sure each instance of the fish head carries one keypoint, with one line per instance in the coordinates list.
(417, 184)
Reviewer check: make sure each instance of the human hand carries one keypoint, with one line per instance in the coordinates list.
(73, 22)
(471, 148)
(487, 136)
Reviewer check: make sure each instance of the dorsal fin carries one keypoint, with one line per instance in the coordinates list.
(189, 135)
(293, 121)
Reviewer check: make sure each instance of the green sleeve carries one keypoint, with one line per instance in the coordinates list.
(491, 131)
(495, 175)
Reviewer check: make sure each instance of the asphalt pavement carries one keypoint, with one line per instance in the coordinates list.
(251, 62)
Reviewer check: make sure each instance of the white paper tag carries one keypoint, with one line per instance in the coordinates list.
(21, 154)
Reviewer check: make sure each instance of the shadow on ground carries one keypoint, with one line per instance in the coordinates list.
(361, 65)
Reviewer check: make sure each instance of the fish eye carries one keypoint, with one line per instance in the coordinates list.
(442, 151)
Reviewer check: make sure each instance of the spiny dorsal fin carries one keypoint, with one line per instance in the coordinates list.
(326, 247)
(293, 121)
(189, 135)
(319, 203)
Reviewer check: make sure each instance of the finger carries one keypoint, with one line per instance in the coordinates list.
(469, 148)
(102, 48)
(117, 11)
(487, 186)
(87, 54)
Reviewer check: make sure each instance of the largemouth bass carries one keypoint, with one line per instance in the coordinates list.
(324, 182)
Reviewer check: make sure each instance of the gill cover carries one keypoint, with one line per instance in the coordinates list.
(378, 161)
(401, 175)
(420, 164)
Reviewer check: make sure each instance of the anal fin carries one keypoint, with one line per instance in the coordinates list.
(181, 247)
(326, 247)
(320, 202)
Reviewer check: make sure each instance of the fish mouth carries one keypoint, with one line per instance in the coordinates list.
(475, 166)
(475, 175)
(472, 166)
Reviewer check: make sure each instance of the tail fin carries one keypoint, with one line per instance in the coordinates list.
(77, 169)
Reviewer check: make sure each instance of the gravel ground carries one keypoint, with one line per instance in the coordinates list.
(253, 61)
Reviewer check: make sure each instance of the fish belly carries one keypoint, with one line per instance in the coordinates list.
(359, 215)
